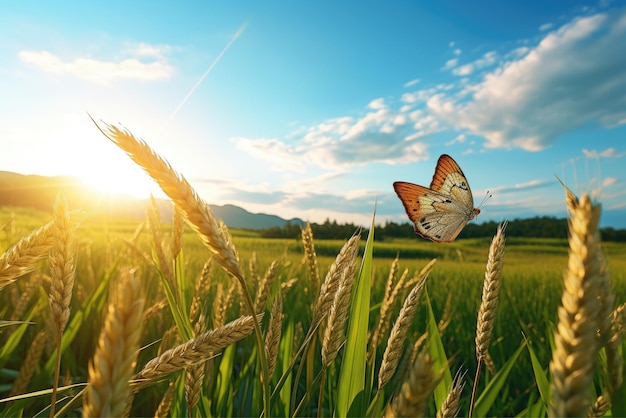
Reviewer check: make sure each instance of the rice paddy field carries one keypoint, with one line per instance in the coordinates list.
(181, 317)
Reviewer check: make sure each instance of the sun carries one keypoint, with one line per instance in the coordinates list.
(122, 179)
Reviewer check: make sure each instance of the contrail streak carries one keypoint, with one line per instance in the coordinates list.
(208, 70)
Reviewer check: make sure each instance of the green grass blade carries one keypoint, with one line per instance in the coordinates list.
(492, 391)
(286, 350)
(618, 401)
(438, 354)
(352, 373)
(543, 384)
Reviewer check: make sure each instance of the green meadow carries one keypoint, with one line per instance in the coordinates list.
(530, 294)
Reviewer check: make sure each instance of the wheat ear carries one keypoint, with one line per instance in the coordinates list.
(334, 334)
(599, 408)
(576, 345)
(197, 349)
(108, 392)
(198, 213)
(166, 263)
(398, 335)
(416, 390)
(333, 278)
(491, 290)
(22, 258)
(163, 410)
(452, 403)
(29, 365)
(264, 287)
(178, 229)
(311, 258)
(194, 374)
(272, 339)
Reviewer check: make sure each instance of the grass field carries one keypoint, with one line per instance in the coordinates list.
(112, 317)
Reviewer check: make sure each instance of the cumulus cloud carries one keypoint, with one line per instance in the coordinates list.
(523, 98)
(382, 134)
(101, 71)
(572, 77)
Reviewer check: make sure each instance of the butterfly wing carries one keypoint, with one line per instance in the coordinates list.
(435, 216)
(449, 180)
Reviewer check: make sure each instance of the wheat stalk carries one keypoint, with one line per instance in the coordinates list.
(108, 392)
(397, 337)
(213, 233)
(576, 345)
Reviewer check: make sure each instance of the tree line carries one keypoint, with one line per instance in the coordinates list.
(537, 227)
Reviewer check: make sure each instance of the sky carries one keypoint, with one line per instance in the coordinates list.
(312, 109)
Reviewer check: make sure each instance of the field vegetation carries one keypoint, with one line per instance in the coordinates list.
(181, 317)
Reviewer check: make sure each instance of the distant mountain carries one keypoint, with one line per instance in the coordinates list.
(236, 217)
(39, 192)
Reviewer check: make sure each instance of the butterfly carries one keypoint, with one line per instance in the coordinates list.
(439, 213)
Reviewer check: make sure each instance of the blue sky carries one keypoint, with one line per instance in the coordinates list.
(316, 108)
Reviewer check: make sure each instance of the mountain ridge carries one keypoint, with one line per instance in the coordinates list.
(38, 192)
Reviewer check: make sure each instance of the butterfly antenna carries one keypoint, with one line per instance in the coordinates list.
(488, 196)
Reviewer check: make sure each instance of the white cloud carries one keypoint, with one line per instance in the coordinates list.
(546, 27)
(607, 153)
(609, 181)
(572, 77)
(457, 51)
(451, 63)
(412, 82)
(99, 71)
(486, 60)
(382, 135)
(147, 50)
(458, 140)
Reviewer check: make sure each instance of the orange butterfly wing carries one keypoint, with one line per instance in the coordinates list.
(441, 212)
